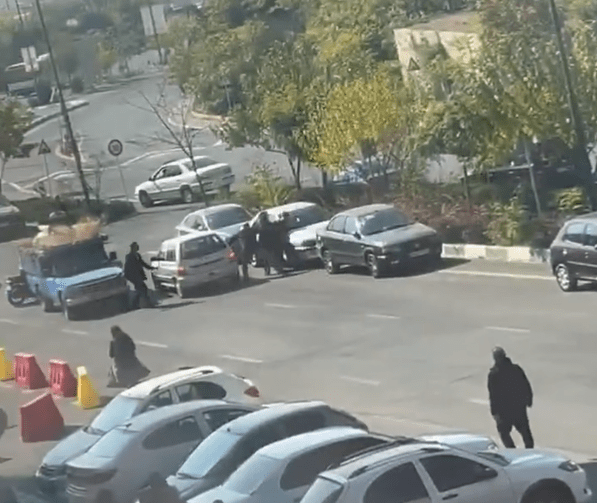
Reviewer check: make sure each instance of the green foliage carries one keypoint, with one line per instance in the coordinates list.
(509, 223)
(14, 121)
(572, 201)
(264, 189)
(107, 57)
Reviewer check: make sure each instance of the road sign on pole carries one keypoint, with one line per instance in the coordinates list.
(115, 148)
(44, 148)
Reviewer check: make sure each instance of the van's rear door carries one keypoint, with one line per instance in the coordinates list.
(205, 258)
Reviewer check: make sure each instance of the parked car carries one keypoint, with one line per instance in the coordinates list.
(283, 471)
(226, 449)
(225, 220)
(573, 253)
(178, 181)
(197, 383)
(306, 219)
(433, 473)
(187, 262)
(379, 237)
(11, 220)
(122, 462)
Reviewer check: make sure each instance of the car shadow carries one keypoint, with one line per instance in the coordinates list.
(69, 429)
(418, 270)
(174, 305)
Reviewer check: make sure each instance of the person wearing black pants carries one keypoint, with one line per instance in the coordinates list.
(134, 266)
(510, 394)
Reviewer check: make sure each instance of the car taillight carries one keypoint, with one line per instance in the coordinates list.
(252, 392)
(231, 255)
(181, 271)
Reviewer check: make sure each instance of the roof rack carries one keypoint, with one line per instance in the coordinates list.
(397, 441)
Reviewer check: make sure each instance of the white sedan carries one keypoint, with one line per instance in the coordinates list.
(225, 220)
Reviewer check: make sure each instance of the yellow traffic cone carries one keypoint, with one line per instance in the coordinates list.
(6, 370)
(87, 397)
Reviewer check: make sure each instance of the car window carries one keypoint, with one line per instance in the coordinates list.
(170, 254)
(304, 469)
(303, 422)
(382, 221)
(219, 417)
(173, 171)
(177, 432)
(401, 484)
(161, 173)
(337, 224)
(227, 217)
(350, 227)
(574, 233)
(116, 412)
(591, 235)
(201, 162)
(450, 472)
(205, 458)
(305, 217)
(160, 400)
(200, 247)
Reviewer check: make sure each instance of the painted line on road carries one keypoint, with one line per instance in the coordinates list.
(383, 316)
(479, 401)
(8, 322)
(509, 329)
(152, 344)
(74, 332)
(497, 274)
(240, 359)
(280, 306)
(359, 380)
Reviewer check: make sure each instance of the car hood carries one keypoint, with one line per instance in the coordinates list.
(72, 446)
(222, 494)
(88, 461)
(518, 457)
(298, 236)
(401, 235)
(92, 276)
(188, 488)
(466, 441)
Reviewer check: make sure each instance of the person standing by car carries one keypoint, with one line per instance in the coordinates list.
(292, 258)
(126, 369)
(510, 394)
(269, 245)
(244, 245)
(134, 266)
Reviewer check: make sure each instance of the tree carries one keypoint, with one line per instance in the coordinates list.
(107, 57)
(14, 121)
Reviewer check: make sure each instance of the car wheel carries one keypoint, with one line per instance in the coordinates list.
(68, 312)
(47, 305)
(549, 495)
(373, 265)
(145, 200)
(187, 195)
(565, 280)
(328, 262)
(182, 292)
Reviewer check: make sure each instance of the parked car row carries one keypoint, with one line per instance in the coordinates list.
(210, 435)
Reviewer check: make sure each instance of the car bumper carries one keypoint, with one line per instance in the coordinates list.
(50, 484)
(97, 296)
(412, 258)
(307, 253)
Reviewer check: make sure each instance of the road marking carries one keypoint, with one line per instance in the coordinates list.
(509, 329)
(358, 380)
(497, 274)
(479, 401)
(9, 322)
(240, 359)
(383, 316)
(74, 332)
(152, 344)
(280, 306)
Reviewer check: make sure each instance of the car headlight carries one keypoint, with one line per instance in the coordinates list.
(569, 466)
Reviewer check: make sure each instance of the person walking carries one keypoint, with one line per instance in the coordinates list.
(134, 266)
(510, 394)
(126, 369)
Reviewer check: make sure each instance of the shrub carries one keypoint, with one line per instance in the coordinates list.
(571, 201)
(509, 224)
(77, 85)
(264, 189)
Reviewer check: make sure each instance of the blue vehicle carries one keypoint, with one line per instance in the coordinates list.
(69, 277)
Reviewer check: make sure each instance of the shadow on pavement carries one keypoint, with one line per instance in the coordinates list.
(68, 430)
(414, 271)
(174, 305)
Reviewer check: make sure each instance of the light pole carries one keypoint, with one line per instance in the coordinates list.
(67, 123)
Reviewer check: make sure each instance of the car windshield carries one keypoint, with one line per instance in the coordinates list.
(382, 221)
(306, 216)
(119, 410)
(112, 443)
(323, 491)
(204, 458)
(251, 474)
(226, 218)
(76, 259)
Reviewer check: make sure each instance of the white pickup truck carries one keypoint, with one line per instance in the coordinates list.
(178, 181)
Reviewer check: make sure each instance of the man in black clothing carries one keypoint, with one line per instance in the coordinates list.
(510, 394)
(244, 245)
(292, 258)
(134, 266)
(270, 246)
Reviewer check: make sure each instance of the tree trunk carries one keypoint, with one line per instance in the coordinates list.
(3, 161)
(324, 179)
(527, 153)
(467, 193)
(298, 173)
(295, 171)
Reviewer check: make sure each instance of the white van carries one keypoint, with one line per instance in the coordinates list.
(186, 262)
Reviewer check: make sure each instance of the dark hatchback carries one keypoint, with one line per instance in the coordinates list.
(574, 252)
(377, 236)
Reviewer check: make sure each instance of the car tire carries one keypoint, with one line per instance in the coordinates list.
(182, 292)
(187, 195)
(374, 266)
(68, 312)
(145, 200)
(331, 267)
(549, 495)
(566, 281)
(47, 305)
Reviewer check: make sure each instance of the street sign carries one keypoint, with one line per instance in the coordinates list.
(413, 66)
(43, 148)
(115, 147)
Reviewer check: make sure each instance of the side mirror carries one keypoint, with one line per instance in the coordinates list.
(487, 474)
(356, 235)
(112, 256)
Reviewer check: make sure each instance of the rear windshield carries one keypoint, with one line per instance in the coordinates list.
(306, 216)
(200, 247)
(227, 217)
(382, 221)
(217, 446)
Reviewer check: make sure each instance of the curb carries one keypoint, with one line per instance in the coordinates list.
(49, 117)
(520, 254)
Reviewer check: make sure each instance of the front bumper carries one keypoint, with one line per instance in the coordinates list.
(50, 484)
(96, 295)
(403, 258)
(307, 253)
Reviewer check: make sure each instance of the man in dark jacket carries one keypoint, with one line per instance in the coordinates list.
(270, 246)
(134, 266)
(244, 245)
(510, 394)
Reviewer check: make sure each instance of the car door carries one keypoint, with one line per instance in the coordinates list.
(589, 267)
(574, 250)
(463, 480)
(400, 484)
(157, 189)
(334, 238)
(353, 246)
(172, 181)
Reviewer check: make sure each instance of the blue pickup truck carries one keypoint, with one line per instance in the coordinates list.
(72, 276)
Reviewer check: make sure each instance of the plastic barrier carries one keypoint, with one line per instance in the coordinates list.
(87, 396)
(6, 370)
(41, 420)
(28, 374)
(62, 380)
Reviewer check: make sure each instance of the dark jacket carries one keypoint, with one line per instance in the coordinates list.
(122, 348)
(244, 243)
(510, 391)
(133, 268)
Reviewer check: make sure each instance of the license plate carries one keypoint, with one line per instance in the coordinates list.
(420, 253)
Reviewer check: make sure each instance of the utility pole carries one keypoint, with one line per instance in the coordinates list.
(581, 154)
(67, 123)
(20, 14)
(155, 33)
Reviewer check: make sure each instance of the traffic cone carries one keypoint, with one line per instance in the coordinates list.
(6, 370)
(87, 397)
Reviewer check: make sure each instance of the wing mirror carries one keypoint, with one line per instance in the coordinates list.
(487, 474)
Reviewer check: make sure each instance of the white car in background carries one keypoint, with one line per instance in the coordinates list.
(206, 382)
(306, 219)
(225, 220)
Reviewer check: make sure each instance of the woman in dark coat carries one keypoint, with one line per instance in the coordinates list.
(126, 368)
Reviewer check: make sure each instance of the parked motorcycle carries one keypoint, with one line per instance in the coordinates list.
(17, 290)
